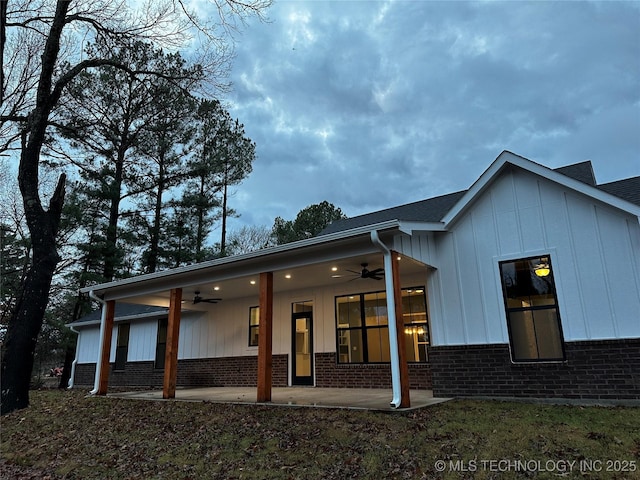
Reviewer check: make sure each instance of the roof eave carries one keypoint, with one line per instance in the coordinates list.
(309, 243)
(125, 318)
(507, 157)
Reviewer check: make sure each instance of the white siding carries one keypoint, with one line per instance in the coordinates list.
(594, 251)
(142, 341)
(88, 344)
(420, 246)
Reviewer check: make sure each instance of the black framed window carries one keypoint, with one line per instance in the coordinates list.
(362, 327)
(161, 342)
(122, 346)
(254, 324)
(531, 304)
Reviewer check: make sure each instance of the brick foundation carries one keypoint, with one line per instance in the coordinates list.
(330, 374)
(603, 369)
(202, 372)
(242, 372)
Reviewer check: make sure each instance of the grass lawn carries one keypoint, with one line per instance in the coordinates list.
(65, 435)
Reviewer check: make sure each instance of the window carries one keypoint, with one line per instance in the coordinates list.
(122, 346)
(161, 343)
(254, 323)
(416, 330)
(533, 319)
(363, 327)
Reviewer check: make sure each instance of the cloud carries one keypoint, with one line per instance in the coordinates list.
(374, 104)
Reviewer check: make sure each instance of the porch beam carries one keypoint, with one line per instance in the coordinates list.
(171, 352)
(405, 401)
(103, 380)
(265, 337)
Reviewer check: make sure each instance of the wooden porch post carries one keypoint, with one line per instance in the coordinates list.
(103, 381)
(171, 352)
(405, 401)
(265, 337)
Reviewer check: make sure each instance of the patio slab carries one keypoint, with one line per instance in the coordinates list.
(353, 398)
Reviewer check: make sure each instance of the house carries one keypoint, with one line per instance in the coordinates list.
(525, 285)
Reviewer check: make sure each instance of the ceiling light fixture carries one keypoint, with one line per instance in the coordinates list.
(542, 270)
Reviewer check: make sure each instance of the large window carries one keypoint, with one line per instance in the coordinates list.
(254, 324)
(363, 327)
(122, 346)
(533, 320)
(161, 343)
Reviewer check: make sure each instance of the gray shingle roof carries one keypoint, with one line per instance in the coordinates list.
(582, 172)
(434, 209)
(429, 210)
(123, 310)
(627, 189)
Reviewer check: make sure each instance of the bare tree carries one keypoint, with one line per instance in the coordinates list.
(249, 239)
(42, 51)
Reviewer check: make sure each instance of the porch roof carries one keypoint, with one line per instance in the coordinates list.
(313, 262)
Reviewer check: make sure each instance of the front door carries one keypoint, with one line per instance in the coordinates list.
(302, 349)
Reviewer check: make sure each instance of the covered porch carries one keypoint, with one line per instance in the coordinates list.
(306, 266)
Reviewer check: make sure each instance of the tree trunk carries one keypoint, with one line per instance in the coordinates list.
(152, 261)
(111, 247)
(26, 321)
(223, 236)
(200, 231)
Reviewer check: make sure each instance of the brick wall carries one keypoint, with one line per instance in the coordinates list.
(330, 374)
(242, 371)
(203, 372)
(604, 369)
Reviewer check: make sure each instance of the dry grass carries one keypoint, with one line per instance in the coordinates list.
(65, 435)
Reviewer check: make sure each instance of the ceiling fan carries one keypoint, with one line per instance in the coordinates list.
(375, 274)
(199, 299)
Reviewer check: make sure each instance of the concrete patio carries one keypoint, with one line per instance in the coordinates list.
(353, 398)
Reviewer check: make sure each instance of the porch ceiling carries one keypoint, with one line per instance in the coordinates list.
(323, 274)
(313, 263)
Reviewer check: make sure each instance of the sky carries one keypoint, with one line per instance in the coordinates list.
(370, 105)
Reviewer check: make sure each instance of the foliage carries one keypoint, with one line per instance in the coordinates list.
(41, 48)
(249, 239)
(66, 435)
(309, 222)
(14, 259)
(223, 157)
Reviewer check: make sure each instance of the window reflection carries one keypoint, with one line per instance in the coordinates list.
(530, 298)
(363, 327)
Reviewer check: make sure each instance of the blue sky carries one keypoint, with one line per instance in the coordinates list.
(373, 104)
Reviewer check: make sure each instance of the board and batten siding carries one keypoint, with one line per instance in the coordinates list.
(594, 248)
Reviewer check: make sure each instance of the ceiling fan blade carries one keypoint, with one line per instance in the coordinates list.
(353, 271)
(377, 271)
(212, 300)
(198, 299)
